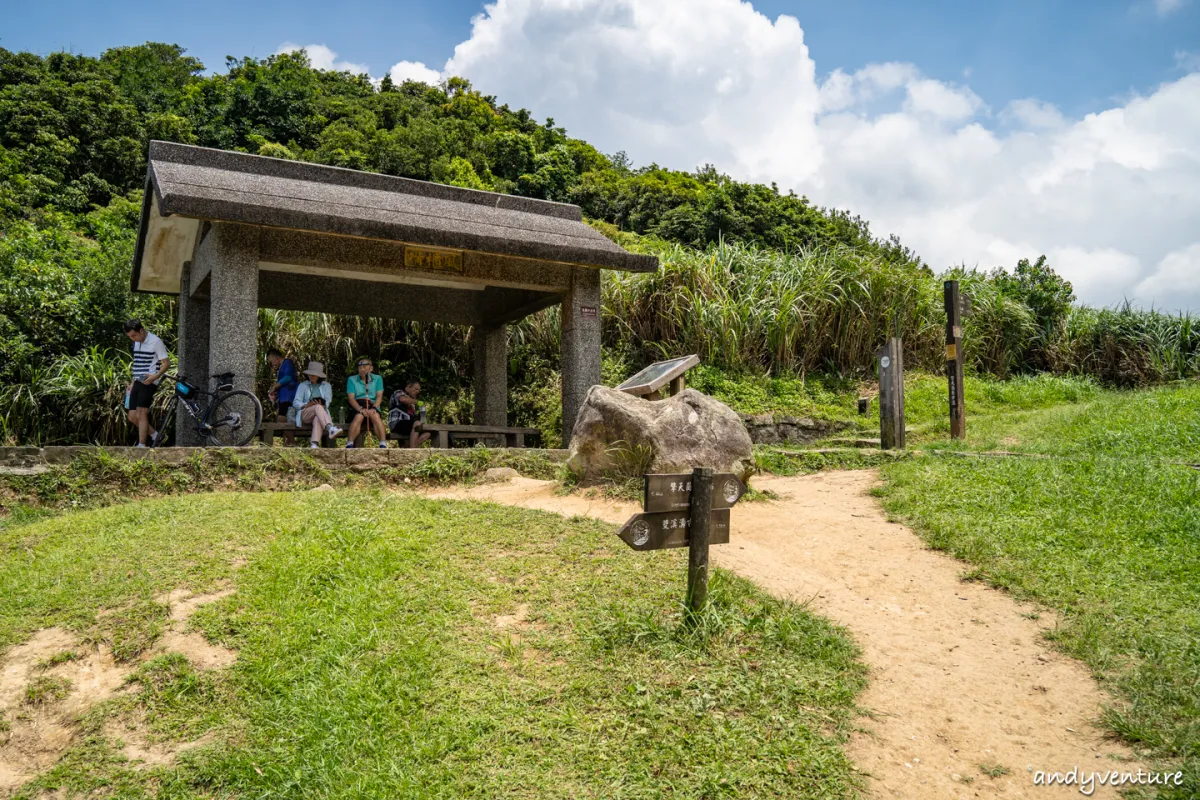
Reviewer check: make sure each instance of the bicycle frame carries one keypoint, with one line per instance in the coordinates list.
(197, 412)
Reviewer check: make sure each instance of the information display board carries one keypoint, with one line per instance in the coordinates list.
(658, 375)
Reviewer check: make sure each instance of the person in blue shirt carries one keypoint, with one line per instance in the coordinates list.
(312, 401)
(283, 391)
(365, 392)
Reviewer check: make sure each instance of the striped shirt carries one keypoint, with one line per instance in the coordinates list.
(147, 355)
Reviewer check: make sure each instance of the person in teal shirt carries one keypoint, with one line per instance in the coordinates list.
(365, 392)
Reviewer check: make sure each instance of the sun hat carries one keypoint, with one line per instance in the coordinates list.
(316, 369)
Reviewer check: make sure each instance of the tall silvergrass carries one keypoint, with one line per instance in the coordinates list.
(79, 398)
(1128, 346)
(748, 309)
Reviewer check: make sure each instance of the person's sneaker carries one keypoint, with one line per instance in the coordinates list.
(156, 438)
(333, 431)
(350, 446)
(314, 446)
(139, 444)
(383, 445)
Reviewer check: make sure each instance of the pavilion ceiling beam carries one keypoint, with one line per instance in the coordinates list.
(500, 306)
(293, 292)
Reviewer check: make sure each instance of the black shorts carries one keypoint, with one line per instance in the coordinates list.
(142, 395)
(403, 427)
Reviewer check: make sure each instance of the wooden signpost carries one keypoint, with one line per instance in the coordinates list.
(891, 395)
(954, 359)
(686, 510)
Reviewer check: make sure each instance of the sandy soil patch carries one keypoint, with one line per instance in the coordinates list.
(39, 733)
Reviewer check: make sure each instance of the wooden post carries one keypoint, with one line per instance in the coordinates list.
(699, 513)
(954, 360)
(891, 395)
(677, 385)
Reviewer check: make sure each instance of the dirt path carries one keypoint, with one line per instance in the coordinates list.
(959, 678)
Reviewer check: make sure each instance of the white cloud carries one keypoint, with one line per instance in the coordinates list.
(1168, 7)
(414, 71)
(1187, 61)
(1032, 113)
(1111, 198)
(1178, 268)
(323, 58)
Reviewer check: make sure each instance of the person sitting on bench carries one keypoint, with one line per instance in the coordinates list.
(365, 392)
(405, 416)
(311, 403)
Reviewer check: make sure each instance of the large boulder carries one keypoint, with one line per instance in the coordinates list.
(618, 434)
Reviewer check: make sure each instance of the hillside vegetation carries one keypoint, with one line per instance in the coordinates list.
(757, 281)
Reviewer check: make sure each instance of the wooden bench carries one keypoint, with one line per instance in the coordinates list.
(288, 431)
(513, 437)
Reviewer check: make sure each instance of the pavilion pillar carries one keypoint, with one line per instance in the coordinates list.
(192, 351)
(489, 344)
(233, 326)
(580, 343)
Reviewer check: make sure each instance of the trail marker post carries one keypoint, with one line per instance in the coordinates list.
(891, 395)
(954, 359)
(699, 514)
(685, 510)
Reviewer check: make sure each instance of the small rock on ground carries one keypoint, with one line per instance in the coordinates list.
(500, 475)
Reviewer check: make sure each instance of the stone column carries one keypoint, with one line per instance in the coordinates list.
(192, 352)
(233, 327)
(580, 343)
(489, 344)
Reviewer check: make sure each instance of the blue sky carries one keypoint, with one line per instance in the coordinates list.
(1079, 55)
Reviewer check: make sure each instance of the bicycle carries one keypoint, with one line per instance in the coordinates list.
(230, 418)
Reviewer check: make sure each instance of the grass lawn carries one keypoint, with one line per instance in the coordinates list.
(1106, 530)
(391, 646)
(836, 399)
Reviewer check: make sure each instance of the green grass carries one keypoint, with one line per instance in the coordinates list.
(1154, 424)
(786, 461)
(994, 770)
(1106, 530)
(96, 478)
(45, 690)
(372, 662)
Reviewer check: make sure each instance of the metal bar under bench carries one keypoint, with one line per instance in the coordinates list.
(513, 437)
(289, 432)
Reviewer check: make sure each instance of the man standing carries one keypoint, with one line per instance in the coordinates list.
(150, 363)
(283, 391)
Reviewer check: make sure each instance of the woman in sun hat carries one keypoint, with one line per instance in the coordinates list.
(312, 400)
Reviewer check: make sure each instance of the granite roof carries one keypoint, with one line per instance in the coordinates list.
(220, 185)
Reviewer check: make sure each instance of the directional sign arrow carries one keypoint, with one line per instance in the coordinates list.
(666, 529)
(674, 492)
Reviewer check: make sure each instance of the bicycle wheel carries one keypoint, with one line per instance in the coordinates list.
(234, 419)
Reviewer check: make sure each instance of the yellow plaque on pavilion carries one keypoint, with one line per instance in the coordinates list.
(429, 258)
